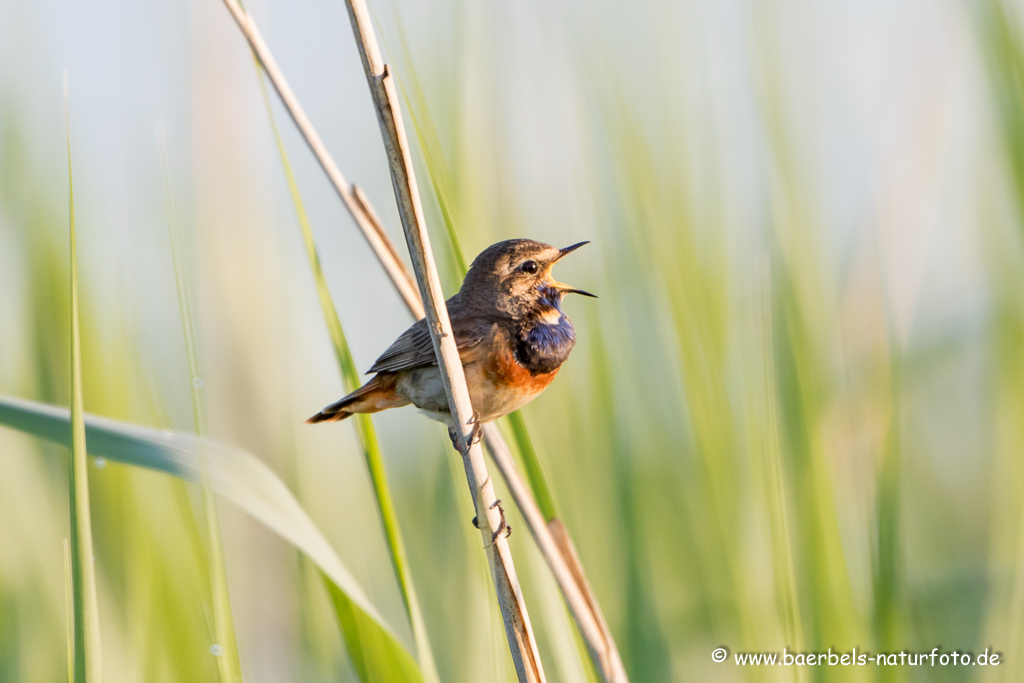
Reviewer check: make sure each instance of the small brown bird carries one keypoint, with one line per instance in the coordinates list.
(511, 334)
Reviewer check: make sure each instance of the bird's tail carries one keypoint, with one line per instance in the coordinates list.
(376, 395)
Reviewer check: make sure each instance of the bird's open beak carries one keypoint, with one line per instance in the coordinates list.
(564, 288)
(569, 250)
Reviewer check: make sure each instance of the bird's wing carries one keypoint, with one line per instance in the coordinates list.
(415, 350)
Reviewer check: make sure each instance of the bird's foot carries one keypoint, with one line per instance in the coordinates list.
(503, 526)
(478, 428)
(474, 435)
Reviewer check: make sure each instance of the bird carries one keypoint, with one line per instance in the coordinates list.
(510, 330)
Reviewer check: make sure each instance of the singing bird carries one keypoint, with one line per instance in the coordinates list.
(511, 334)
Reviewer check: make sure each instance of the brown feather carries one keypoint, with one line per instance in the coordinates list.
(414, 348)
(376, 395)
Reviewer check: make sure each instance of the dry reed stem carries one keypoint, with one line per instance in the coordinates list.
(351, 196)
(522, 642)
(554, 543)
(551, 537)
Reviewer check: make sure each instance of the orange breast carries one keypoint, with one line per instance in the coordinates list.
(498, 384)
(506, 373)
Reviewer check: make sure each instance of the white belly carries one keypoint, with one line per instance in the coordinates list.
(424, 388)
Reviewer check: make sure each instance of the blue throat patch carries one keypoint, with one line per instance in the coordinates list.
(541, 347)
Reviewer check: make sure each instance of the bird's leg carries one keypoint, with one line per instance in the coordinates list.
(474, 435)
(502, 525)
(474, 438)
(478, 428)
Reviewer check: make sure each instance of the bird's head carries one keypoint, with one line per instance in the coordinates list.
(514, 277)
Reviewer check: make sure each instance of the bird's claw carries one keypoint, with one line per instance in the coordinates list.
(503, 526)
(478, 428)
(474, 435)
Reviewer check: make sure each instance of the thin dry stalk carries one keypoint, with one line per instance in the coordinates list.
(554, 543)
(351, 196)
(518, 630)
(551, 536)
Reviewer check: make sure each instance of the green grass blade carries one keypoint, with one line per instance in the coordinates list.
(69, 610)
(374, 663)
(441, 183)
(436, 170)
(83, 569)
(531, 466)
(245, 481)
(1004, 58)
(999, 35)
(888, 565)
(229, 662)
(364, 426)
(768, 447)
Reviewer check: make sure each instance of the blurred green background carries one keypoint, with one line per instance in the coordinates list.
(794, 418)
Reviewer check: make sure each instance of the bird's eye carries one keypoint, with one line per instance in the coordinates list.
(529, 267)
